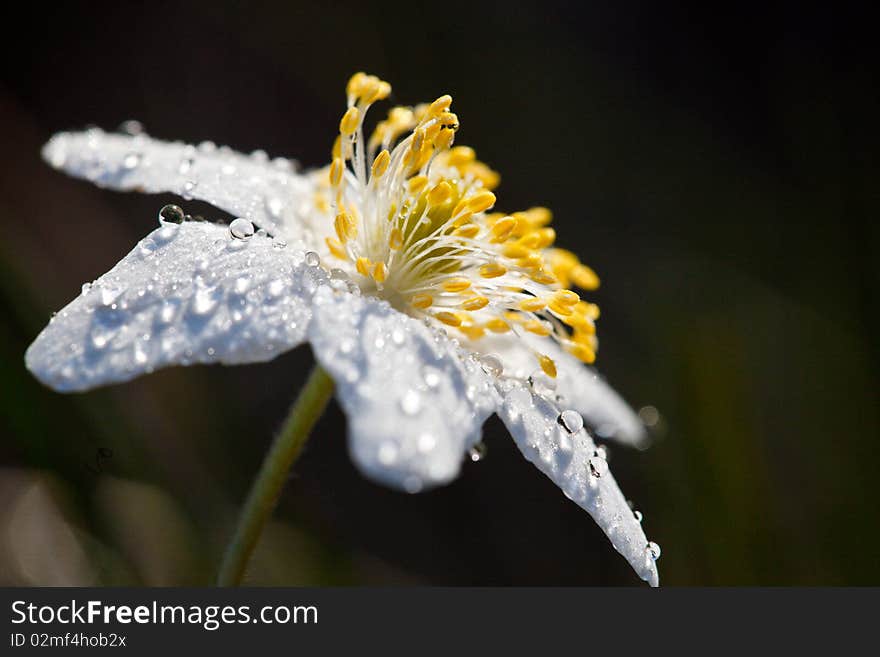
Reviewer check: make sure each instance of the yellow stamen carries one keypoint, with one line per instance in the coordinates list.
(363, 266)
(497, 325)
(350, 122)
(395, 240)
(547, 365)
(421, 301)
(336, 248)
(458, 284)
(532, 305)
(475, 303)
(492, 270)
(380, 164)
(450, 319)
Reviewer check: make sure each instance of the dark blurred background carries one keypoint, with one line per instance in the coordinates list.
(715, 164)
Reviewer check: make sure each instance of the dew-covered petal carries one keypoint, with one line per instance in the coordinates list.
(415, 402)
(564, 451)
(188, 293)
(576, 385)
(268, 193)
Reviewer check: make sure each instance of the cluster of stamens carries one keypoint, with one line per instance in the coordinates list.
(411, 223)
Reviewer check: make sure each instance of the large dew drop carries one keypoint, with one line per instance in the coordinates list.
(171, 214)
(241, 229)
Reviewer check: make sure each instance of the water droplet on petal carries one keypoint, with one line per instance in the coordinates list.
(312, 259)
(275, 206)
(131, 161)
(653, 551)
(86, 287)
(171, 214)
(602, 451)
(131, 127)
(188, 188)
(426, 442)
(492, 365)
(387, 453)
(276, 288)
(478, 451)
(571, 421)
(411, 402)
(241, 228)
(278, 243)
(185, 165)
(637, 515)
(204, 301)
(431, 377)
(598, 466)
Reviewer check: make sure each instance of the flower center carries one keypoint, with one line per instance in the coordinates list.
(411, 225)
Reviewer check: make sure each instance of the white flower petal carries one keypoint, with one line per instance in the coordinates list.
(566, 458)
(267, 193)
(415, 402)
(580, 387)
(187, 293)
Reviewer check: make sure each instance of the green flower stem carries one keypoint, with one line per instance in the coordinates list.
(263, 496)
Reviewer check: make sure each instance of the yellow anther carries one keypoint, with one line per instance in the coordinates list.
(538, 239)
(395, 240)
(355, 83)
(440, 105)
(481, 202)
(497, 325)
(417, 183)
(533, 260)
(547, 365)
(345, 227)
(537, 327)
(448, 318)
(444, 139)
(539, 216)
(566, 297)
(584, 277)
(457, 284)
(580, 322)
(421, 301)
(448, 121)
(380, 92)
(472, 331)
(492, 270)
(514, 250)
(336, 248)
(502, 228)
(591, 310)
(439, 194)
(461, 155)
(380, 164)
(380, 272)
(532, 305)
(484, 174)
(543, 277)
(582, 352)
(559, 308)
(363, 266)
(470, 230)
(336, 152)
(462, 218)
(350, 121)
(336, 169)
(475, 303)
